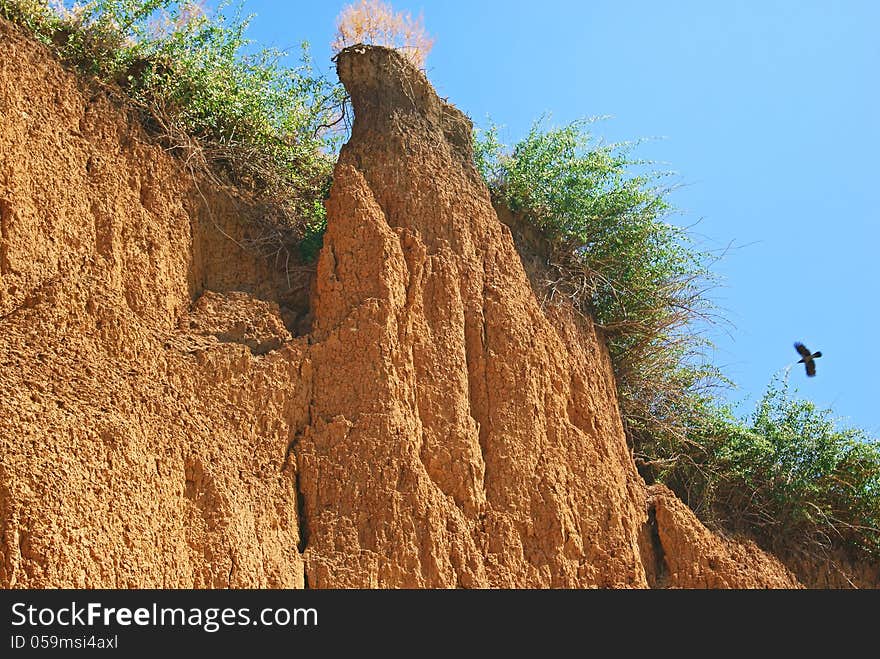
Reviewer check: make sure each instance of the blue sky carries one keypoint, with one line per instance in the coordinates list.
(767, 110)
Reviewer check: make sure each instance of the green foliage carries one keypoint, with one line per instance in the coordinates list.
(614, 255)
(313, 236)
(788, 473)
(226, 107)
(607, 222)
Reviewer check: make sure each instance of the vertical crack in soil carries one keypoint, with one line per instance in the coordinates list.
(660, 570)
(5, 216)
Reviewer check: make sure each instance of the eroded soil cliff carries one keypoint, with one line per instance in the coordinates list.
(177, 413)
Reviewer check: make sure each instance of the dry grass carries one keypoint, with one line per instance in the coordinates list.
(375, 22)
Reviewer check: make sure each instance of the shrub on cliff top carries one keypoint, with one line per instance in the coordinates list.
(616, 258)
(237, 114)
(788, 473)
(375, 22)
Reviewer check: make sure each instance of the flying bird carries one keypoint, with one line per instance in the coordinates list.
(807, 359)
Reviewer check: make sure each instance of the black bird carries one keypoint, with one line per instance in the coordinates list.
(807, 358)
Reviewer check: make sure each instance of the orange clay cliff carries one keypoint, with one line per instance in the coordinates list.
(177, 413)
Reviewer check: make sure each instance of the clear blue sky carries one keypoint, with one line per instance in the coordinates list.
(768, 110)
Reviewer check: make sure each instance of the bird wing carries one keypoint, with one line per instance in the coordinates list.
(811, 367)
(802, 349)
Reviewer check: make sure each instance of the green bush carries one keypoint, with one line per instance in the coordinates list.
(612, 253)
(582, 196)
(225, 108)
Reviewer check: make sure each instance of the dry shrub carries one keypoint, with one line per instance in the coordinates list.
(375, 22)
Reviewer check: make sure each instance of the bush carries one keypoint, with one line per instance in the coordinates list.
(788, 474)
(613, 255)
(236, 114)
